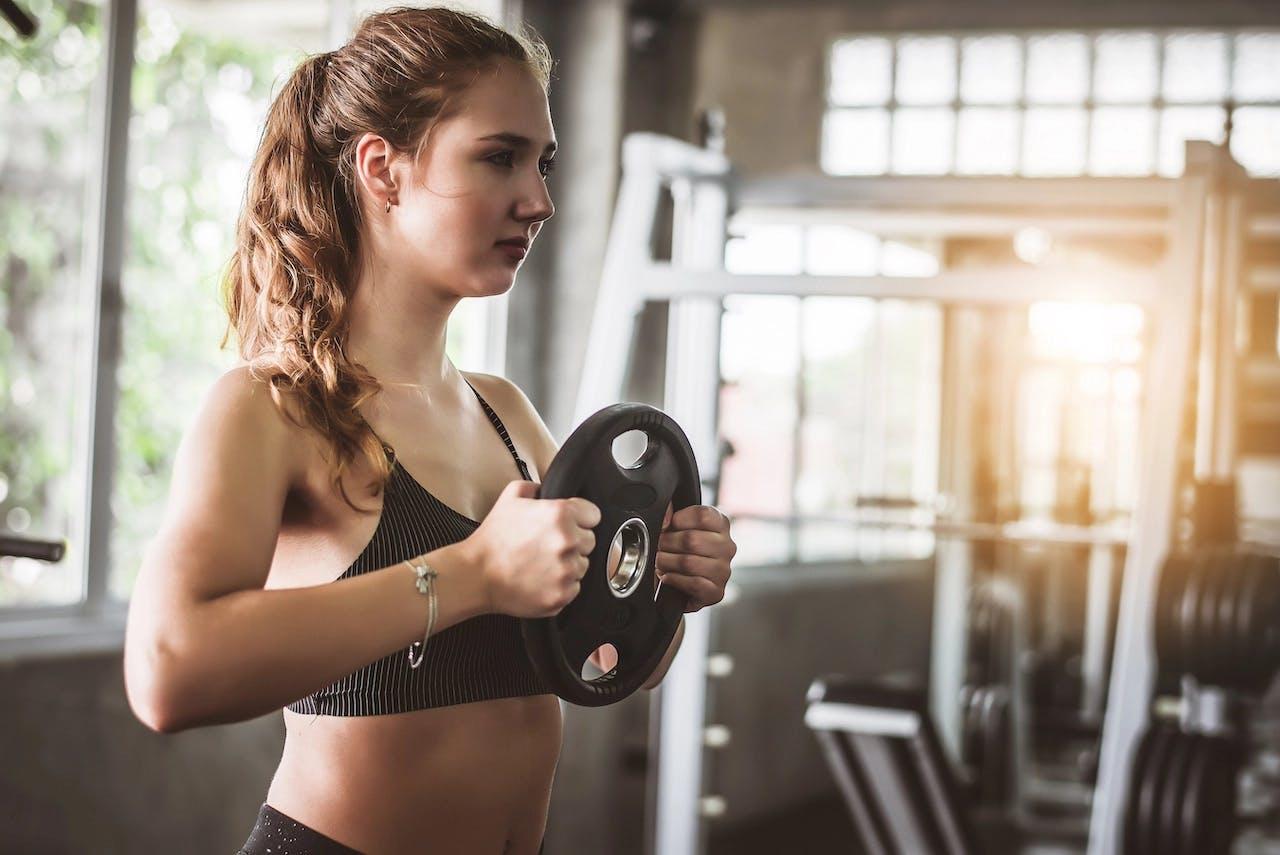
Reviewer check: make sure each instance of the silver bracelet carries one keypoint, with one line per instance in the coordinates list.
(424, 580)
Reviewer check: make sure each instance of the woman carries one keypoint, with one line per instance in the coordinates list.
(395, 176)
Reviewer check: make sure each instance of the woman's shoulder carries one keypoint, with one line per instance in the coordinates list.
(241, 407)
(518, 414)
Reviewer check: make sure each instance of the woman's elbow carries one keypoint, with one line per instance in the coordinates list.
(149, 687)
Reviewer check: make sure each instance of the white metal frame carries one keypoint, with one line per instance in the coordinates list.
(695, 277)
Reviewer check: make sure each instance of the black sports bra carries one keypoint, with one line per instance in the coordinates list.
(479, 659)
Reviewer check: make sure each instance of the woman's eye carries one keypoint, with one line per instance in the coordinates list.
(502, 158)
(546, 167)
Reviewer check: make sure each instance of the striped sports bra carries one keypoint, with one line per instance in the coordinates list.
(482, 658)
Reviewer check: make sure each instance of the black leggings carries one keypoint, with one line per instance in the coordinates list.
(282, 835)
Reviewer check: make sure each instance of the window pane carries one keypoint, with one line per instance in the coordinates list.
(860, 72)
(1057, 68)
(759, 357)
(991, 70)
(841, 251)
(1257, 71)
(856, 142)
(201, 89)
(1125, 68)
(1255, 139)
(841, 376)
(1179, 124)
(1053, 141)
(1086, 332)
(926, 70)
(46, 110)
(1122, 141)
(766, 249)
(1195, 67)
(987, 141)
(903, 259)
(871, 386)
(922, 141)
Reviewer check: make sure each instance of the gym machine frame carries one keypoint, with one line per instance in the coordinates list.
(694, 283)
(1219, 208)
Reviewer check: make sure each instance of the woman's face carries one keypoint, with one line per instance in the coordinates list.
(481, 180)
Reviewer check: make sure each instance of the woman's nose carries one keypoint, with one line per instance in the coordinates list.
(536, 205)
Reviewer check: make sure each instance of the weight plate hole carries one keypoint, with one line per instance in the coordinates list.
(608, 655)
(631, 449)
(628, 555)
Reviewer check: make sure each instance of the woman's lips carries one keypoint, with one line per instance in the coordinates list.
(513, 250)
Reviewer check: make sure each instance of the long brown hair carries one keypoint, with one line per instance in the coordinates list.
(290, 279)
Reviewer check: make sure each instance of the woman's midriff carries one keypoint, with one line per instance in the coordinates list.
(473, 778)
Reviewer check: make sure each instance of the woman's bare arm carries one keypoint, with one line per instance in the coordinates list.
(205, 643)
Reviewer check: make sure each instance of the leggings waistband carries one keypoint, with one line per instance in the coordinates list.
(279, 834)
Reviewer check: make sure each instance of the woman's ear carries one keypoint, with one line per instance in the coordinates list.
(374, 159)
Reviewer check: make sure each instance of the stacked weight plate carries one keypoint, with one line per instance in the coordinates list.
(1218, 617)
(1182, 798)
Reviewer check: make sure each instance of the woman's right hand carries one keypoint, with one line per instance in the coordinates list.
(534, 552)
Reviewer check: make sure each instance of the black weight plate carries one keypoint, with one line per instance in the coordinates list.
(1173, 792)
(1137, 774)
(1228, 607)
(1173, 576)
(1194, 797)
(1256, 624)
(967, 725)
(1208, 657)
(1220, 814)
(999, 745)
(1265, 640)
(641, 622)
(988, 783)
(1188, 610)
(1228, 661)
(977, 702)
(1149, 797)
(1247, 615)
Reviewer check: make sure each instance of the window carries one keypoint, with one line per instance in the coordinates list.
(201, 80)
(201, 89)
(1079, 410)
(835, 397)
(1046, 104)
(46, 154)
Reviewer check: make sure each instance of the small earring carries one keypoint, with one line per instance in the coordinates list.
(388, 204)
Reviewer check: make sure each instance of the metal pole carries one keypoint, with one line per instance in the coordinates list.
(1133, 669)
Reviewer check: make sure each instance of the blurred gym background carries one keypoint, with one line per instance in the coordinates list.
(970, 309)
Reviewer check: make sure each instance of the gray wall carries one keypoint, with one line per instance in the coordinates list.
(79, 774)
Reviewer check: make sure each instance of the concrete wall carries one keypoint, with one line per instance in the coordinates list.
(79, 774)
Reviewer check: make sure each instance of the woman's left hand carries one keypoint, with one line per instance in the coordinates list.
(694, 551)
